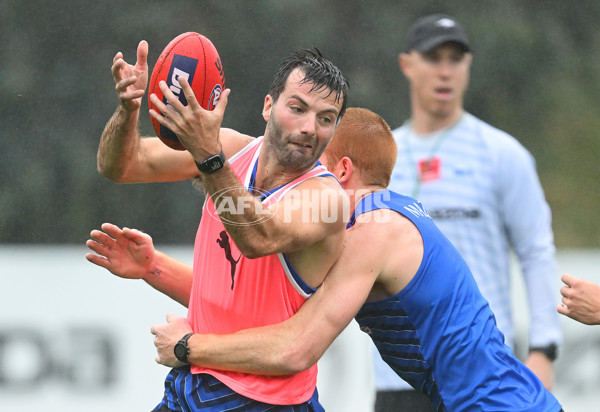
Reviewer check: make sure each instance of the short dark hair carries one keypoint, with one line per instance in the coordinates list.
(317, 69)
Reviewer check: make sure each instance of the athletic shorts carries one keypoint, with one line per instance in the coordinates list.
(187, 392)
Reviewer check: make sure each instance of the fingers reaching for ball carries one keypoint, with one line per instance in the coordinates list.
(189, 58)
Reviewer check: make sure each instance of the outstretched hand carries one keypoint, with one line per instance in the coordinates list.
(131, 81)
(166, 336)
(581, 300)
(197, 128)
(127, 253)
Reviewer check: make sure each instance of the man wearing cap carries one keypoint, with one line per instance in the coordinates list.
(480, 186)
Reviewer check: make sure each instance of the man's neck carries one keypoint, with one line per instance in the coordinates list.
(362, 191)
(424, 123)
(271, 174)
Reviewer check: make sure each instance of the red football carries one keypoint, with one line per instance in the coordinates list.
(194, 57)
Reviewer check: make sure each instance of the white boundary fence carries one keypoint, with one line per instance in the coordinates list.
(75, 338)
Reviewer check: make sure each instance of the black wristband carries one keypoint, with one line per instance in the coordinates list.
(551, 351)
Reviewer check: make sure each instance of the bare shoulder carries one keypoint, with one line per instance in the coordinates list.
(161, 163)
(386, 226)
(233, 141)
(393, 240)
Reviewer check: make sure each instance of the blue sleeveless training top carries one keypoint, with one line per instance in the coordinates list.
(439, 333)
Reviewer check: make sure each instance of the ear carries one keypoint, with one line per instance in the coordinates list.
(469, 58)
(343, 170)
(403, 63)
(268, 105)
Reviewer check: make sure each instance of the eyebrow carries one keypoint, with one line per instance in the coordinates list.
(332, 110)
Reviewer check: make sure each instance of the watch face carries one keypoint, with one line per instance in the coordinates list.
(212, 164)
(181, 349)
(180, 352)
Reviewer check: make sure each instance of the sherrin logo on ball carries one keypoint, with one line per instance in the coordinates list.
(193, 57)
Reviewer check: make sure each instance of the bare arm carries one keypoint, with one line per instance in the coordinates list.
(123, 155)
(256, 230)
(581, 300)
(298, 221)
(307, 225)
(120, 143)
(130, 254)
(297, 343)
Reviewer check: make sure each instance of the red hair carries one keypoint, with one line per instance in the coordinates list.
(365, 138)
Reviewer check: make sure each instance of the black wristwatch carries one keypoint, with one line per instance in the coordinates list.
(212, 164)
(181, 349)
(551, 351)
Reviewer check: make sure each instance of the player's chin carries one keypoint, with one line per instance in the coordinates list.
(301, 159)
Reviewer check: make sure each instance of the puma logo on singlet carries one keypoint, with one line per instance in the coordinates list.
(224, 243)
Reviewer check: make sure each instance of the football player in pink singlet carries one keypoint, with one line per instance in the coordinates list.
(404, 283)
(273, 221)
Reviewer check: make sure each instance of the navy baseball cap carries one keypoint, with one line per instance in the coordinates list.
(431, 31)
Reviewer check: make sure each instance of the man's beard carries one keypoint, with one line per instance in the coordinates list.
(293, 160)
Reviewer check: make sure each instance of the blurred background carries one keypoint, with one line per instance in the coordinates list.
(535, 75)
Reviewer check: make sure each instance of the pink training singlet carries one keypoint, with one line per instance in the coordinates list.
(231, 292)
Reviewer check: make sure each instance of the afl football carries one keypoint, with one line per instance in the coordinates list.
(194, 57)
